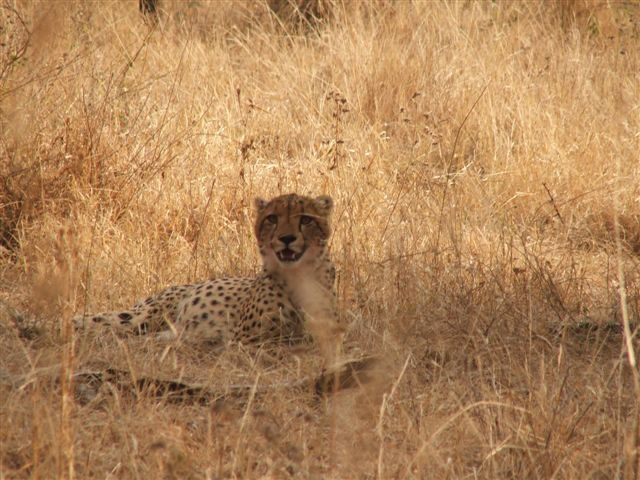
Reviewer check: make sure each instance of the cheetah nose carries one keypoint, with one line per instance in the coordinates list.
(287, 239)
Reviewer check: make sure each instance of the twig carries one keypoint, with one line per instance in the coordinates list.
(630, 455)
(23, 48)
(383, 407)
(553, 202)
(194, 252)
(348, 375)
(453, 151)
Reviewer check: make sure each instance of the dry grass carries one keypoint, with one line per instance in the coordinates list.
(484, 161)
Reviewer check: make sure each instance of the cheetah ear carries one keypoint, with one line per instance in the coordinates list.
(260, 204)
(324, 204)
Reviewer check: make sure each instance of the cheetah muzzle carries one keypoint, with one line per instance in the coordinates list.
(287, 255)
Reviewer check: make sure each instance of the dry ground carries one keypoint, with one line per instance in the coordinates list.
(484, 161)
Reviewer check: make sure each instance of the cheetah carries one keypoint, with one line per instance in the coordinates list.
(292, 296)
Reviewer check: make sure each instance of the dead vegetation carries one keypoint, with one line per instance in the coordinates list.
(483, 158)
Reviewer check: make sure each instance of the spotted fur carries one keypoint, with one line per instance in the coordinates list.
(296, 282)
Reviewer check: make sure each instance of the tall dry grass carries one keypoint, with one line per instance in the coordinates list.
(484, 161)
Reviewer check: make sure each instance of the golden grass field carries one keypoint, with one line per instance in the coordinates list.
(484, 161)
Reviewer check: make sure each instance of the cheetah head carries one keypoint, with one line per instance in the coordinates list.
(292, 229)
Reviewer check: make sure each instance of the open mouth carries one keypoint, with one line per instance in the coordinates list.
(287, 255)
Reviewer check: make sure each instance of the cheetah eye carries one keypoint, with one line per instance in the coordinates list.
(306, 220)
(272, 219)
